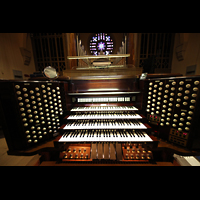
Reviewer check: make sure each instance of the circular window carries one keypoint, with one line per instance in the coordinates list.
(101, 42)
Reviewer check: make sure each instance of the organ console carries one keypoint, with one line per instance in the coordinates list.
(105, 116)
(101, 119)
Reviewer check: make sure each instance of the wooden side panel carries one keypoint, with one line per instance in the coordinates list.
(130, 48)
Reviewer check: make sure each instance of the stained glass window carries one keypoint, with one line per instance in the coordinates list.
(101, 42)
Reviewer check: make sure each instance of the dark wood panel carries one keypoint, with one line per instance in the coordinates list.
(130, 48)
(53, 163)
(120, 85)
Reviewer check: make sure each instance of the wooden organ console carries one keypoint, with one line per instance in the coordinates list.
(99, 119)
(104, 117)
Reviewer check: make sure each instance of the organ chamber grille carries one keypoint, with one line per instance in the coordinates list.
(158, 46)
(49, 50)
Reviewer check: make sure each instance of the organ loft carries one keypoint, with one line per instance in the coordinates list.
(110, 104)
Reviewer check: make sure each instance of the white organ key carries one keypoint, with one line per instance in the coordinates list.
(79, 134)
(84, 138)
(135, 137)
(102, 138)
(118, 138)
(95, 137)
(126, 139)
(140, 138)
(110, 139)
